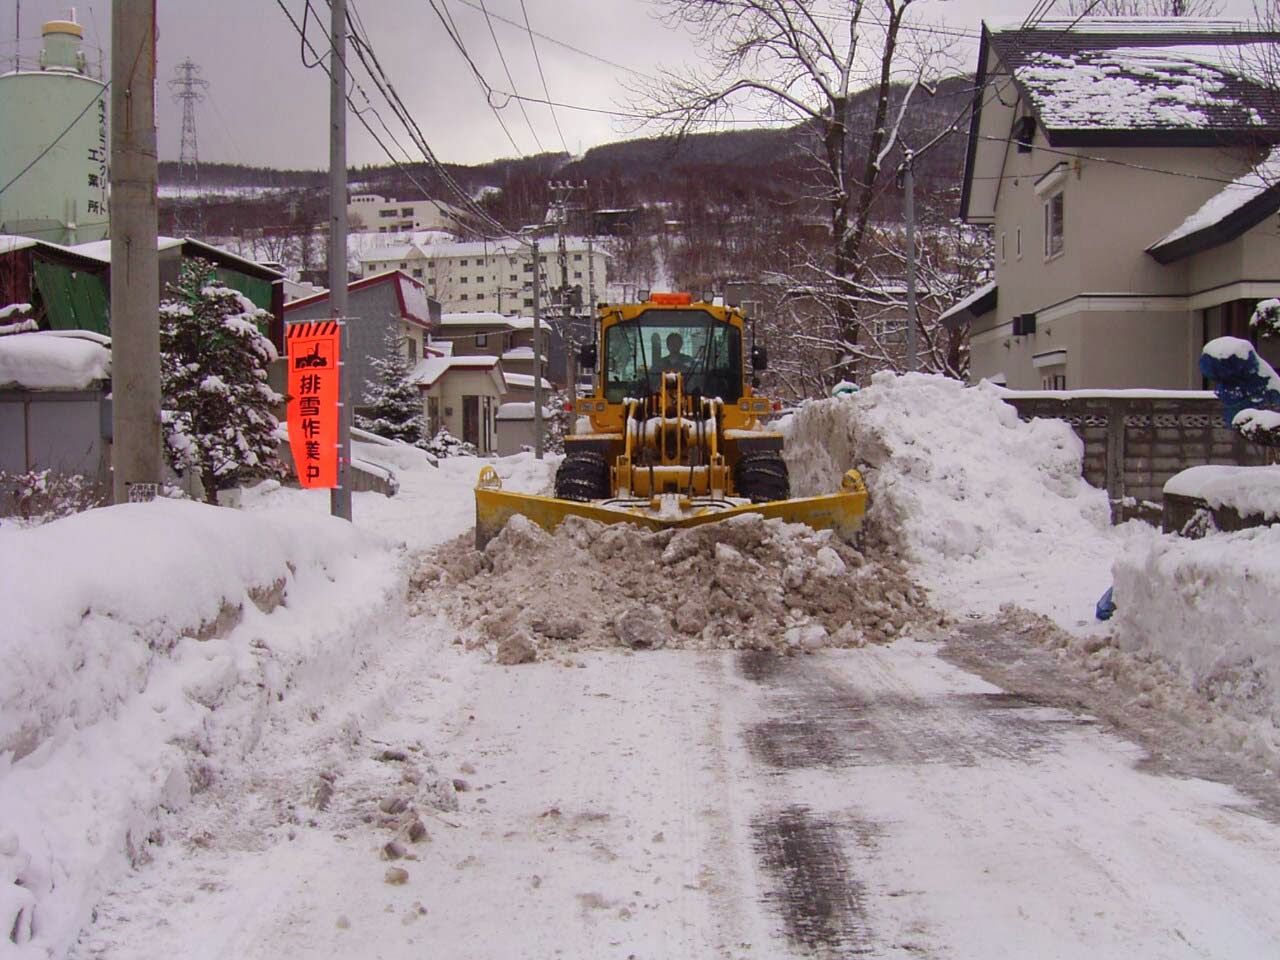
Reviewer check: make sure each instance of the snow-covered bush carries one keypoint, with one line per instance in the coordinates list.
(395, 404)
(40, 496)
(445, 444)
(217, 406)
(1265, 321)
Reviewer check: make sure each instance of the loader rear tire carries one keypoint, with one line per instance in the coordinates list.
(583, 475)
(762, 477)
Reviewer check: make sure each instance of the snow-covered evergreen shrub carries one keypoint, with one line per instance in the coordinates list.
(445, 444)
(217, 404)
(1265, 321)
(39, 496)
(395, 404)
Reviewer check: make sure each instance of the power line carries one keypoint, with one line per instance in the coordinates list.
(451, 28)
(545, 89)
(1114, 162)
(501, 56)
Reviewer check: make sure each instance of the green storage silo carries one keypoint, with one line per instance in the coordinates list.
(54, 145)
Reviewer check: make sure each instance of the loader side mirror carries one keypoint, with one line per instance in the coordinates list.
(759, 358)
(587, 356)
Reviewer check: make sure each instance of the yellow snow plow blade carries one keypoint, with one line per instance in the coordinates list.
(841, 512)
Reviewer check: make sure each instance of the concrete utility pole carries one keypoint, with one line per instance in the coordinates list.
(537, 352)
(135, 266)
(909, 185)
(339, 496)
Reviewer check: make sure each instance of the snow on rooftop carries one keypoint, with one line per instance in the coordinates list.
(963, 305)
(431, 369)
(46, 361)
(1229, 199)
(9, 243)
(1119, 25)
(524, 380)
(1149, 87)
(479, 318)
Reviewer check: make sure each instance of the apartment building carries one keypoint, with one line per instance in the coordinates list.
(371, 213)
(493, 276)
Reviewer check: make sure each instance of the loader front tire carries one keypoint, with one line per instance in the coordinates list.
(583, 475)
(762, 477)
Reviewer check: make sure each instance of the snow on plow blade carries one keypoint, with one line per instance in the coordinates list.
(841, 512)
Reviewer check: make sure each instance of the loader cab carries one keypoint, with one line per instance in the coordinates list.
(706, 350)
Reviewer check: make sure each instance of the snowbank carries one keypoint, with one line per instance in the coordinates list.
(953, 473)
(138, 666)
(1209, 607)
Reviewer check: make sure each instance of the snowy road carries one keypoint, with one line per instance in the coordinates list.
(876, 802)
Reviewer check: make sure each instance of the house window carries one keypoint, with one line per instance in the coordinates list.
(463, 297)
(1054, 381)
(406, 211)
(479, 279)
(577, 257)
(417, 271)
(387, 214)
(528, 268)
(577, 274)
(1017, 242)
(482, 339)
(513, 278)
(404, 266)
(412, 344)
(479, 296)
(1002, 246)
(1053, 226)
(462, 279)
(433, 414)
(528, 301)
(464, 262)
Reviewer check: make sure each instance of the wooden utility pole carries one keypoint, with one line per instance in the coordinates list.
(339, 496)
(537, 350)
(135, 266)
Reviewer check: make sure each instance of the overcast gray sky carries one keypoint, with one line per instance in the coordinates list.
(263, 107)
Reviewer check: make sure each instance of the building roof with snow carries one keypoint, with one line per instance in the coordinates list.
(1172, 80)
(1116, 82)
(430, 370)
(416, 306)
(1239, 206)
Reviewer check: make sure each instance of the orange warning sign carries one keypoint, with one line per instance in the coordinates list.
(312, 348)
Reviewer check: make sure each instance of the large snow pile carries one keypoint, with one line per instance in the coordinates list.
(952, 472)
(145, 648)
(746, 583)
(1209, 607)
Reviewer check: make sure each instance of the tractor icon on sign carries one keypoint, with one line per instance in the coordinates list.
(312, 359)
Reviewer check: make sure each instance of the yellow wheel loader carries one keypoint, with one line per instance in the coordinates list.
(673, 433)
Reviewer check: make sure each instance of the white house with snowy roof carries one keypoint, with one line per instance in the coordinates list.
(1128, 171)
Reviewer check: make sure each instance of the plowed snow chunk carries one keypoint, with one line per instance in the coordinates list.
(746, 583)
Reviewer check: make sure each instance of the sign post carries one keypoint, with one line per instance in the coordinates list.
(314, 349)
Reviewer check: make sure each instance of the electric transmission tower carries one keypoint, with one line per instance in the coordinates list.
(188, 88)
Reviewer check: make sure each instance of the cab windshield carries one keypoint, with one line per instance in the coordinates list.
(706, 351)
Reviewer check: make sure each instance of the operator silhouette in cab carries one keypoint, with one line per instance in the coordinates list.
(675, 361)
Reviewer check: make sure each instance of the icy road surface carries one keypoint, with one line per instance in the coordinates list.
(669, 804)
